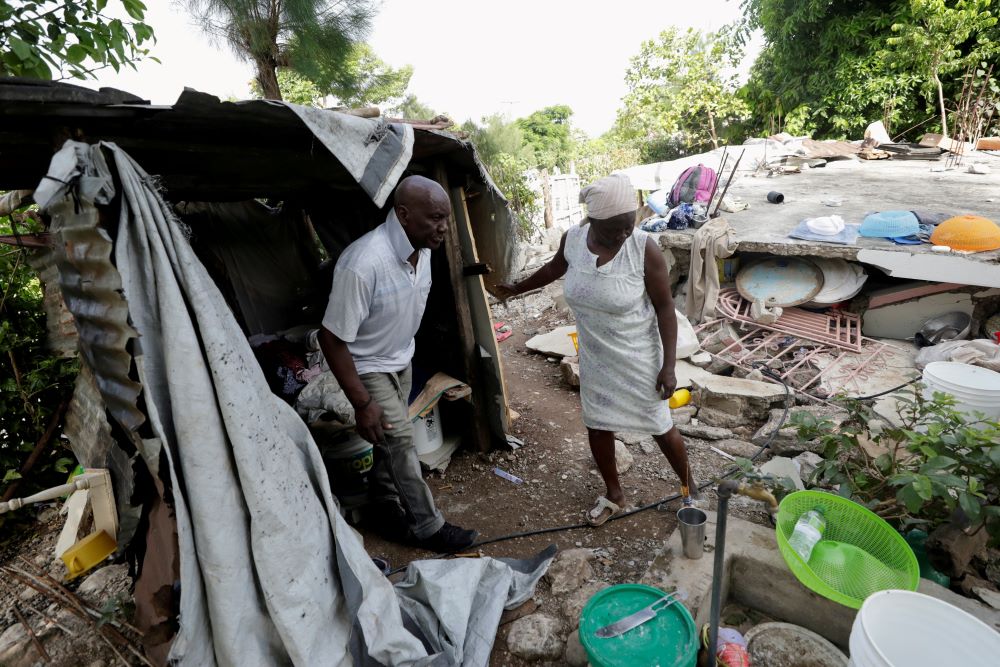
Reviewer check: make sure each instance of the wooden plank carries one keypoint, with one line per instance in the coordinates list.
(466, 333)
(485, 331)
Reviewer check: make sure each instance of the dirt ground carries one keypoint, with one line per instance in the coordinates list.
(560, 483)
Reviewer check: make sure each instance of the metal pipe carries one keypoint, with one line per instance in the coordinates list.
(724, 492)
(715, 214)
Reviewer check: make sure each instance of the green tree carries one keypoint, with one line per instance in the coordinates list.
(59, 39)
(500, 145)
(831, 65)
(825, 61)
(363, 79)
(294, 88)
(682, 91)
(413, 108)
(596, 158)
(932, 42)
(309, 36)
(548, 134)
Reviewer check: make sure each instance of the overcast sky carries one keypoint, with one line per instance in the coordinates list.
(470, 57)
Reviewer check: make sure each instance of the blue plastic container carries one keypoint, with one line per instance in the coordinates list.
(890, 224)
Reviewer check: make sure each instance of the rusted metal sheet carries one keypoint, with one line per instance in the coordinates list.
(61, 337)
(92, 288)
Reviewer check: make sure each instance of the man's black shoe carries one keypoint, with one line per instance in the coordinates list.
(449, 539)
(387, 520)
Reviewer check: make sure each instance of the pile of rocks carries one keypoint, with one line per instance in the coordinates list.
(551, 633)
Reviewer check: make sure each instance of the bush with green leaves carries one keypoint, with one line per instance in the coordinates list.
(33, 382)
(939, 465)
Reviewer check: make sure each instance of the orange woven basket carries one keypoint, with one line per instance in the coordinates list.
(967, 232)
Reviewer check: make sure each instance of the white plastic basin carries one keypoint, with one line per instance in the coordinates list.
(905, 629)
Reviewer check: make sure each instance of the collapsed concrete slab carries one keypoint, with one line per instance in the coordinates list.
(556, 343)
(747, 399)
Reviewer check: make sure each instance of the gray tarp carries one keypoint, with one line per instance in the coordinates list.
(270, 572)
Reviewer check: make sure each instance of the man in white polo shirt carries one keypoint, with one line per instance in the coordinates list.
(380, 287)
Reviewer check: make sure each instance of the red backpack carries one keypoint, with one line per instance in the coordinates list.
(695, 184)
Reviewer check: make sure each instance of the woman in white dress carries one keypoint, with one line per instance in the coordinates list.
(618, 288)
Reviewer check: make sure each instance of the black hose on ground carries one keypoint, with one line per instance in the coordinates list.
(658, 503)
(669, 499)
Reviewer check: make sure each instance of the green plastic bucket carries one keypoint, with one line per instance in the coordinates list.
(668, 640)
(349, 459)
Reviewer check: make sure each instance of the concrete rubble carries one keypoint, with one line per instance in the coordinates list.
(575, 655)
(574, 603)
(555, 343)
(570, 570)
(623, 457)
(536, 637)
(740, 397)
(703, 432)
(570, 369)
(782, 467)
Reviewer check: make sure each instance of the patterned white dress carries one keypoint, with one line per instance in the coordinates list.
(620, 348)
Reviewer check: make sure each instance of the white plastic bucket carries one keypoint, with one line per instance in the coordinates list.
(974, 389)
(427, 436)
(905, 629)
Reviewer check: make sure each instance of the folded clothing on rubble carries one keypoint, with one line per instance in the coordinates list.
(846, 236)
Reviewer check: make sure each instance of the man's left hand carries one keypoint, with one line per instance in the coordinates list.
(666, 382)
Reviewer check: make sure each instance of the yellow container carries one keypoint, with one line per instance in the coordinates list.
(88, 552)
(680, 398)
(576, 344)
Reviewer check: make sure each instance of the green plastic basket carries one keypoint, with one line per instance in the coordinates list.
(859, 554)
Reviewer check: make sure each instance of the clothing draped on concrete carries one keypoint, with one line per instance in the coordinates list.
(270, 573)
(715, 240)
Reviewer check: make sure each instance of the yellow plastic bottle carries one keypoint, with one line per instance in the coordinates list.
(680, 398)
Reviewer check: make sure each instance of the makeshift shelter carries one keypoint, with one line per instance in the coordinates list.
(224, 502)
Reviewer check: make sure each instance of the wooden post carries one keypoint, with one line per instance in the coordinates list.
(549, 216)
(466, 333)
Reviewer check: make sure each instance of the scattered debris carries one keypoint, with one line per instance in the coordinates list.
(507, 476)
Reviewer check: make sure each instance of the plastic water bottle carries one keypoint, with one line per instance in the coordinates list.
(808, 531)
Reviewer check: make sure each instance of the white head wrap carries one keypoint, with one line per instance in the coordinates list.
(608, 197)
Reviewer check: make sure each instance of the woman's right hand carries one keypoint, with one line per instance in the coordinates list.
(504, 291)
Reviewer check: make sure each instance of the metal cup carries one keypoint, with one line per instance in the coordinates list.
(692, 522)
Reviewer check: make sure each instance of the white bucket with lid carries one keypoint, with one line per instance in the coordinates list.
(904, 629)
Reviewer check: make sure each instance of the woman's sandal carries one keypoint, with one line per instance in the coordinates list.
(602, 511)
